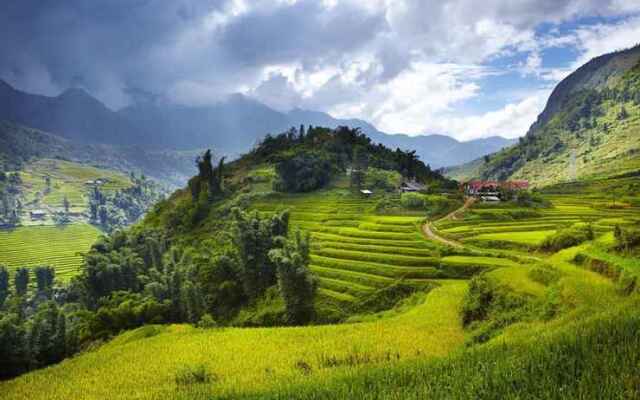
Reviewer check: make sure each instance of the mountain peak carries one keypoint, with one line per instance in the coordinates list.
(75, 93)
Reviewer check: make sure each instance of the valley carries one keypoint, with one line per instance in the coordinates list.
(182, 225)
(355, 253)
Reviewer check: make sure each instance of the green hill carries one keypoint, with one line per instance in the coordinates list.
(588, 129)
(205, 299)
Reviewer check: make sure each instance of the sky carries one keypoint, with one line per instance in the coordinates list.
(464, 68)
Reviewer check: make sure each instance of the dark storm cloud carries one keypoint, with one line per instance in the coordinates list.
(118, 48)
(305, 30)
(88, 43)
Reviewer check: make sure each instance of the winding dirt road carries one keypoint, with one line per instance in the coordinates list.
(427, 228)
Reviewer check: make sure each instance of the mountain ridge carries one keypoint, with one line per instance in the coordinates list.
(590, 128)
(231, 127)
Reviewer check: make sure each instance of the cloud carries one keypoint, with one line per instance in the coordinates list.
(406, 65)
(512, 120)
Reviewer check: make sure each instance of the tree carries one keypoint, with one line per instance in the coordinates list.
(623, 114)
(4, 284)
(296, 283)
(66, 205)
(254, 238)
(301, 133)
(47, 183)
(44, 278)
(21, 281)
(13, 351)
(191, 301)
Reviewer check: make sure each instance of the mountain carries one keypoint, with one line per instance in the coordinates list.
(230, 127)
(436, 150)
(20, 144)
(589, 128)
(74, 114)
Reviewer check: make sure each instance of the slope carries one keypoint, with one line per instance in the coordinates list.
(589, 128)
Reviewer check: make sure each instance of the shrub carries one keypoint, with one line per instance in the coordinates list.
(193, 374)
(381, 179)
(207, 322)
(627, 238)
(412, 201)
(567, 238)
(544, 275)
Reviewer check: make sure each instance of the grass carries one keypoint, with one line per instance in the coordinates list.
(250, 359)
(55, 246)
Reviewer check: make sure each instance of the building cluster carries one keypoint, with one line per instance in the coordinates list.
(490, 190)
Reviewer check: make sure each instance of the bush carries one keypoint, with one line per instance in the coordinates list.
(544, 275)
(193, 374)
(412, 201)
(567, 238)
(207, 322)
(627, 238)
(381, 179)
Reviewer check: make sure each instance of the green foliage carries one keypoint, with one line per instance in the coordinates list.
(568, 237)
(413, 201)
(44, 278)
(4, 284)
(192, 375)
(21, 281)
(207, 322)
(254, 237)
(296, 283)
(303, 172)
(381, 179)
(488, 307)
(627, 237)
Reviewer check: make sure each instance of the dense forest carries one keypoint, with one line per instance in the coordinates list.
(112, 211)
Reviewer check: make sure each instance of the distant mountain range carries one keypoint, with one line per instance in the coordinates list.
(589, 129)
(230, 127)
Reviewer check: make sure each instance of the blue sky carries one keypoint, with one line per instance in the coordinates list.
(464, 68)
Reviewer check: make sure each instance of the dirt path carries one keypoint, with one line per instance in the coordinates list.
(427, 228)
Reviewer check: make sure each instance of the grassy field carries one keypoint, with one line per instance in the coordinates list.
(574, 337)
(251, 359)
(56, 246)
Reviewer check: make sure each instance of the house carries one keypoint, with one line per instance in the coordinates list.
(492, 188)
(411, 186)
(38, 215)
(366, 192)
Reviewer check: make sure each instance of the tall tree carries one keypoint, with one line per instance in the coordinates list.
(21, 281)
(296, 283)
(4, 284)
(44, 278)
(65, 203)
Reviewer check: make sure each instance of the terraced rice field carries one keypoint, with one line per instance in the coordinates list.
(247, 360)
(67, 179)
(356, 251)
(56, 246)
(491, 227)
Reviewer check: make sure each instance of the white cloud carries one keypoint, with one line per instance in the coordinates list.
(512, 120)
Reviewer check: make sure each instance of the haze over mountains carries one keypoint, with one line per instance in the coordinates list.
(230, 127)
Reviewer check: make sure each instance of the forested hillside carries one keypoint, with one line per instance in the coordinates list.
(20, 144)
(589, 128)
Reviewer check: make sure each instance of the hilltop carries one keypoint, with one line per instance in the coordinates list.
(588, 129)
